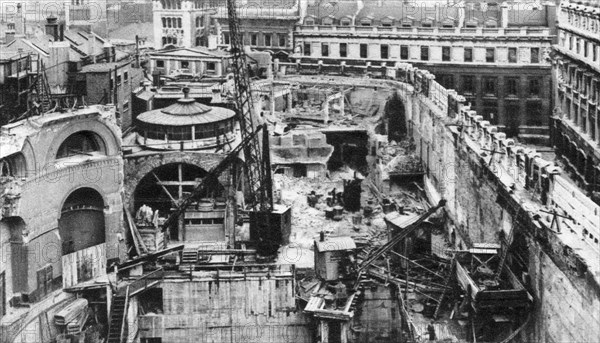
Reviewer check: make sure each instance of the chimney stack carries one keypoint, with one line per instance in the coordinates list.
(52, 27)
(10, 33)
(19, 22)
(322, 236)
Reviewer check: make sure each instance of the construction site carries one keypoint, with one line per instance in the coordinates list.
(325, 204)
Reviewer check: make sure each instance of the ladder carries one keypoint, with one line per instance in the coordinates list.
(116, 329)
(506, 245)
(446, 287)
(189, 256)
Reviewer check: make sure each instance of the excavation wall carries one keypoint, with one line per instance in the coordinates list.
(237, 307)
(497, 191)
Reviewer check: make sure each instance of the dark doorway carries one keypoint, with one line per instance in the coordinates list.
(81, 223)
(395, 113)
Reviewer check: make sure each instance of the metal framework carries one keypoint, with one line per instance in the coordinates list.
(258, 172)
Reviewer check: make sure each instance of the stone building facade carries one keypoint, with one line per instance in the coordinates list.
(472, 48)
(60, 187)
(268, 25)
(576, 66)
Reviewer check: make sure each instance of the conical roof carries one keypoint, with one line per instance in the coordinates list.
(186, 111)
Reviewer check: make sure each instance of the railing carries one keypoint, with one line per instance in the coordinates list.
(454, 31)
(151, 279)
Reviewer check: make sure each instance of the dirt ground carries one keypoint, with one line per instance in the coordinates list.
(308, 222)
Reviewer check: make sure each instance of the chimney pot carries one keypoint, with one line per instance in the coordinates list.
(322, 236)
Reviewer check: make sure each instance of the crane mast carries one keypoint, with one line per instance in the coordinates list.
(257, 166)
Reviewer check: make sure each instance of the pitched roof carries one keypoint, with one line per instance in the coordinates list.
(198, 51)
(335, 244)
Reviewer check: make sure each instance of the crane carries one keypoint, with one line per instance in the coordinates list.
(259, 192)
(257, 166)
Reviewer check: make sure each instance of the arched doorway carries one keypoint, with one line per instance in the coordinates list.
(166, 186)
(395, 113)
(81, 224)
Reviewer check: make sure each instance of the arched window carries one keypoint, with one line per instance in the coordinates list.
(365, 21)
(179, 23)
(83, 143)
(345, 22)
(164, 22)
(309, 21)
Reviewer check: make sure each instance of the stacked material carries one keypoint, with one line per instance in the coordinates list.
(72, 312)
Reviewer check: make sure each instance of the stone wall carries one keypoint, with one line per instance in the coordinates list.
(491, 185)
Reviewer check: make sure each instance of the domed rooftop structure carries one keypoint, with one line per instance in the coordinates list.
(195, 125)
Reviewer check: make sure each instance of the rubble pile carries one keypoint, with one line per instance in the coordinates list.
(308, 221)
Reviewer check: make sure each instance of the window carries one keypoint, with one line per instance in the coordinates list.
(267, 39)
(253, 39)
(226, 38)
(211, 66)
(512, 55)
(179, 133)
(365, 22)
(2, 294)
(126, 76)
(44, 281)
(489, 86)
(364, 49)
(534, 87)
(282, 39)
(80, 143)
(446, 53)
(155, 132)
(585, 49)
(490, 55)
(386, 22)
(309, 21)
(179, 23)
(343, 50)
(446, 80)
(384, 50)
(512, 86)
(327, 21)
(577, 45)
(324, 49)
(345, 22)
(118, 79)
(125, 106)
(571, 43)
(185, 64)
(595, 53)
(306, 49)
(468, 84)
(468, 54)
(535, 55)
(403, 52)
(424, 53)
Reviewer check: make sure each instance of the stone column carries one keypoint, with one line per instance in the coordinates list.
(289, 100)
(325, 111)
(342, 103)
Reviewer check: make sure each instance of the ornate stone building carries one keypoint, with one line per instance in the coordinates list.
(576, 124)
(60, 187)
(492, 54)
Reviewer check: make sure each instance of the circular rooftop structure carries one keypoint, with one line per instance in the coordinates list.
(195, 125)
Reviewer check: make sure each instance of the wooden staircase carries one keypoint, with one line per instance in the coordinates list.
(116, 329)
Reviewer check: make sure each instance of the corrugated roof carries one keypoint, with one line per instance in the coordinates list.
(186, 112)
(335, 244)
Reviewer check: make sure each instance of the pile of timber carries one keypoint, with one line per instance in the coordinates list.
(72, 312)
